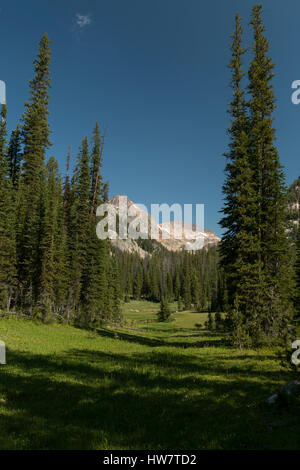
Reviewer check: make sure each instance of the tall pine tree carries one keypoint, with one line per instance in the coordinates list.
(35, 130)
(274, 266)
(8, 279)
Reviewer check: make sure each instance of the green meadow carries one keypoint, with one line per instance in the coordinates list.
(145, 385)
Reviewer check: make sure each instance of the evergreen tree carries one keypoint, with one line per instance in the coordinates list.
(239, 247)
(15, 157)
(106, 192)
(138, 283)
(53, 275)
(8, 279)
(169, 286)
(100, 283)
(210, 322)
(177, 286)
(195, 288)
(52, 263)
(115, 293)
(186, 283)
(255, 247)
(35, 130)
(273, 262)
(96, 164)
(80, 228)
(164, 312)
(67, 197)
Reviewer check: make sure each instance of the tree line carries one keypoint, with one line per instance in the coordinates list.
(52, 265)
(194, 280)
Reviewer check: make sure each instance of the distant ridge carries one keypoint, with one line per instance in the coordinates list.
(177, 238)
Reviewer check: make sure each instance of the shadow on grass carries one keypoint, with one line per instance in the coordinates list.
(155, 342)
(88, 399)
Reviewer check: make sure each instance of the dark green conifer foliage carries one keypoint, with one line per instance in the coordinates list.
(255, 248)
(96, 164)
(186, 283)
(79, 235)
(169, 286)
(8, 279)
(100, 284)
(53, 276)
(195, 288)
(35, 130)
(239, 247)
(138, 283)
(106, 191)
(15, 157)
(164, 312)
(210, 322)
(52, 264)
(274, 267)
(115, 292)
(67, 198)
(177, 286)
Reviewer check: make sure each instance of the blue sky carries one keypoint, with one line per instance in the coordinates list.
(154, 74)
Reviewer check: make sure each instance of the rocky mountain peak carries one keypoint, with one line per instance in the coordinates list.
(174, 235)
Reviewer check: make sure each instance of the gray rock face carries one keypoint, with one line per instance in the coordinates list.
(173, 236)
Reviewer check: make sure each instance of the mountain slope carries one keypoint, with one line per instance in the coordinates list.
(293, 198)
(172, 236)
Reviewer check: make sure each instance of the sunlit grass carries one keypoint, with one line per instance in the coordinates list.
(146, 385)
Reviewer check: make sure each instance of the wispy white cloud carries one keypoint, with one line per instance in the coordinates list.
(82, 21)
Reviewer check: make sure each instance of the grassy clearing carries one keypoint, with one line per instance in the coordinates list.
(148, 385)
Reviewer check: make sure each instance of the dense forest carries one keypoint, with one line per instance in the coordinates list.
(194, 280)
(54, 268)
(52, 265)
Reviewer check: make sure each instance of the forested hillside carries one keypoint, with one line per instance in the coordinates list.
(192, 279)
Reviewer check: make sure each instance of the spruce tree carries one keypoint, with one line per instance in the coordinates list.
(8, 279)
(15, 157)
(195, 288)
(100, 283)
(79, 233)
(254, 249)
(138, 283)
(186, 283)
(164, 312)
(273, 262)
(177, 286)
(53, 274)
(239, 248)
(96, 164)
(114, 285)
(35, 131)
